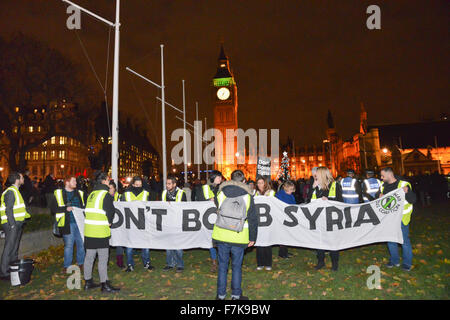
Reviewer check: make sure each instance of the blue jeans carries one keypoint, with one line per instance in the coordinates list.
(406, 249)
(69, 240)
(174, 258)
(145, 254)
(213, 253)
(237, 256)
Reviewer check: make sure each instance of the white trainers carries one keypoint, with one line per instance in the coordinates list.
(268, 268)
(259, 268)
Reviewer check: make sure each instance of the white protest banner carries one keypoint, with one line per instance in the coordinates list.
(321, 224)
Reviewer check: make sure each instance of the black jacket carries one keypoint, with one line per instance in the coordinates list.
(410, 196)
(55, 208)
(233, 189)
(199, 196)
(108, 206)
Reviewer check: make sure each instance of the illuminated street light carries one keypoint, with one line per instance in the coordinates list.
(385, 150)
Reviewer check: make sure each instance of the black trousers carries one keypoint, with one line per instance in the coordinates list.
(11, 249)
(333, 254)
(283, 252)
(264, 256)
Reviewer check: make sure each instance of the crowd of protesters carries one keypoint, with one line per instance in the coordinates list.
(62, 195)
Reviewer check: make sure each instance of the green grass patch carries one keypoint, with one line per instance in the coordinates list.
(290, 279)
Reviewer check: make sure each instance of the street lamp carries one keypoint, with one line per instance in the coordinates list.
(385, 150)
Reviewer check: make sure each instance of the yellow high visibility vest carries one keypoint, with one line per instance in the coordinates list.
(207, 192)
(96, 223)
(60, 216)
(225, 235)
(19, 210)
(116, 196)
(408, 207)
(331, 193)
(178, 196)
(143, 196)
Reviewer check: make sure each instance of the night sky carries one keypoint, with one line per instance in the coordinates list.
(292, 60)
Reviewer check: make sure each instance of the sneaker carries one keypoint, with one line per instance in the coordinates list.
(240, 298)
(259, 268)
(391, 265)
(217, 298)
(268, 268)
(406, 268)
(179, 269)
(148, 266)
(167, 268)
(130, 268)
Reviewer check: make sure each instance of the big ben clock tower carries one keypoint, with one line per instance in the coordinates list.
(225, 103)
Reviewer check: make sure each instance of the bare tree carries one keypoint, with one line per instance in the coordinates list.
(33, 74)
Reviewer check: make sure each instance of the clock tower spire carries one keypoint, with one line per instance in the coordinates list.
(225, 103)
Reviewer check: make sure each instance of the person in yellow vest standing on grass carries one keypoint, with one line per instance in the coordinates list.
(236, 228)
(65, 200)
(391, 183)
(173, 193)
(136, 192)
(99, 215)
(13, 213)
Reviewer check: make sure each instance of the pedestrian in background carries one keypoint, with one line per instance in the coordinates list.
(286, 194)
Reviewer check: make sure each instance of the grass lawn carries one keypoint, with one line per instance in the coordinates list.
(290, 279)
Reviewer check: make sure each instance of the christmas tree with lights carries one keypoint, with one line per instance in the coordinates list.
(284, 174)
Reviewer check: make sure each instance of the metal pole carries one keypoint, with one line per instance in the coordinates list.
(198, 148)
(184, 136)
(206, 163)
(115, 111)
(163, 118)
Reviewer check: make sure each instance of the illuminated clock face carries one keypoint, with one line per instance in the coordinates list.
(223, 93)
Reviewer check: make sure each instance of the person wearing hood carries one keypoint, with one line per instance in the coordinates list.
(99, 215)
(208, 192)
(136, 192)
(233, 242)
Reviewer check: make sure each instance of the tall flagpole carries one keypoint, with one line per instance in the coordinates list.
(163, 116)
(184, 137)
(115, 109)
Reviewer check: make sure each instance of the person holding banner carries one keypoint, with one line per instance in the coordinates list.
(263, 254)
(67, 198)
(208, 192)
(391, 183)
(326, 189)
(136, 192)
(119, 250)
(173, 193)
(286, 194)
(234, 194)
(99, 214)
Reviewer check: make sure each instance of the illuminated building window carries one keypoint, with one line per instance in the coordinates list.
(39, 128)
(53, 140)
(35, 155)
(319, 158)
(52, 154)
(30, 129)
(27, 156)
(17, 109)
(62, 140)
(62, 154)
(15, 129)
(311, 158)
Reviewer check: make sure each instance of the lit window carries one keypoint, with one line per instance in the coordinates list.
(15, 129)
(311, 158)
(53, 140)
(35, 155)
(52, 154)
(62, 140)
(30, 129)
(39, 128)
(62, 154)
(319, 158)
(17, 109)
